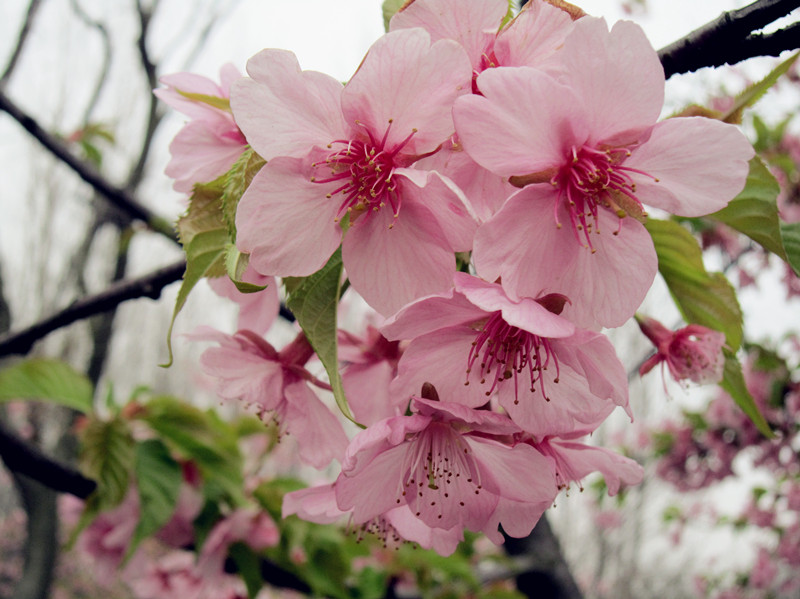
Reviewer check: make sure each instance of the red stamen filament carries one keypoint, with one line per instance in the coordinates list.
(506, 351)
(590, 179)
(364, 169)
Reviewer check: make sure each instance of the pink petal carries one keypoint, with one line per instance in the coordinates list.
(412, 84)
(485, 191)
(431, 313)
(520, 473)
(285, 222)
(367, 389)
(319, 433)
(533, 36)
(523, 246)
(580, 460)
(594, 356)
(244, 376)
(378, 438)
(375, 487)
(503, 133)
(411, 528)
(446, 201)
(391, 267)
(701, 164)
(284, 111)
(440, 358)
(618, 75)
(472, 23)
(257, 311)
(525, 313)
(199, 155)
(314, 504)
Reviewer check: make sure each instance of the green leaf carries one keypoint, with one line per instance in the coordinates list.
(314, 303)
(205, 257)
(754, 211)
(755, 91)
(389, 8)
(701, 297)
(215, 101)
(269, 494)
(790, 233)
(107, 455)
(733, 382)
(48, 380)
(235, 264)
(248, 566)
(159, 479)
(205, 240)
(237, 180)
(201, 437)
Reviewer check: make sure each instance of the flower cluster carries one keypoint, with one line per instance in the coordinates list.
(487, 182)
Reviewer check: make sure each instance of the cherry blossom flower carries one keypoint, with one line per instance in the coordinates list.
(210, 143)
(447, 463)
(276, 384)
(693, 352)
(475, 342)
(587, 163)
(529, 39)
(337, 152)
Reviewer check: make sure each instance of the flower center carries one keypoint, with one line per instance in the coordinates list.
(363, 171)
(506, 351)
(594, 178)
(439, 471)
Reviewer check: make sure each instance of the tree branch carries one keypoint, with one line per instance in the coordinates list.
(22, 458)
(120, 197)
(150, 285)
(731, 38)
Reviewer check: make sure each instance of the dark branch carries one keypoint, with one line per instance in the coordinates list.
(116, 195)
(22, 458)
(30, 15)
(732, 37)
(146, 286)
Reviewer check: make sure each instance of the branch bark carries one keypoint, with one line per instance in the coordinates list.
(26, 460)
(20, 342)
(732, 37)
(30, 15)
(118, 196)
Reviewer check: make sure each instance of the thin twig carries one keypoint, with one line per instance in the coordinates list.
(120, 197)
(20, 342)
(732, 37)
(30, 15)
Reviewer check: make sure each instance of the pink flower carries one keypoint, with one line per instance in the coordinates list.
(338, 152)
(447, 463)
(585, 147)
(211, 142)
(529, 39)
(475, 342)
(250, 526)
(276, 383)
(693, 352)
